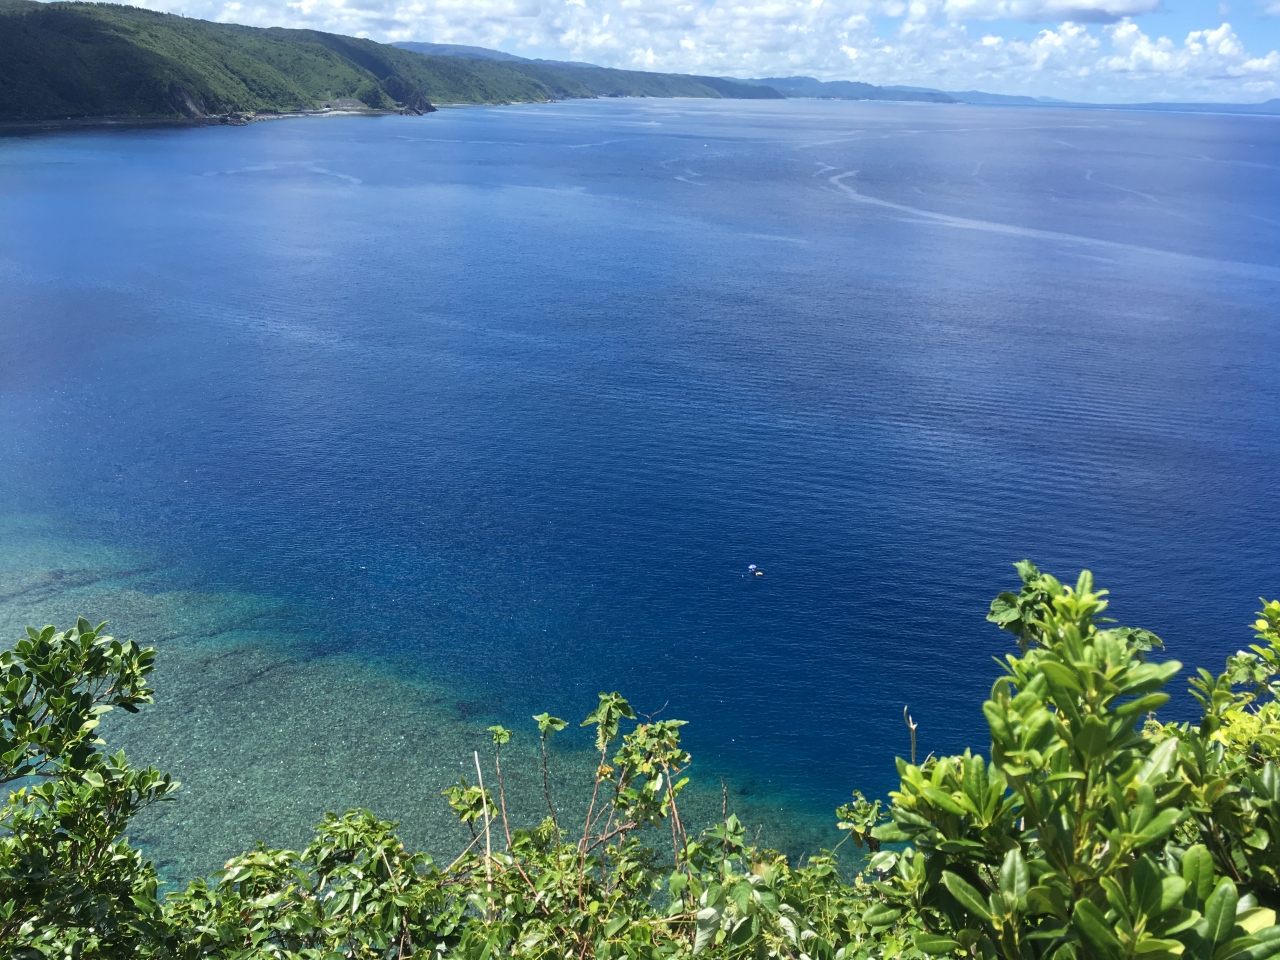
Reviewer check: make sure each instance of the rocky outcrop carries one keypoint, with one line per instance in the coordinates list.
(186, 101)
(411, 100)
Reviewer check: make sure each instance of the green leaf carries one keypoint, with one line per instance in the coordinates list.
(1158, 828)
(1092, 738)
(1147, 704)
(1147, 888)
(706, 926)
(611, 709)
(1172, 890)
(1234, 948)
(616, 924)
(1197, 870)
(1257, 839)
(1047, 900)
(1062, 676)
(1159, 763)
(934, 945)
(1116, 898)
(881, 915)
(1153, 948)
(883, 861)
(1004, 609)
(1015, 878)
(677, 883)
(548, 724)
(1093, 927)
(1255, 919)
(890, 833)
(1186, 920)
(966, 895)
(500, 733)
(970, 847)
(768, 900)
(1027, 571)
(1220, 912)
(1268, 944)
(943, 801)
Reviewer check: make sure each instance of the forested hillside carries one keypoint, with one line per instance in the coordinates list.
(62, 60)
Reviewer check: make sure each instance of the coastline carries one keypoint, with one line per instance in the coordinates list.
(220, 120)
(242, 120)
(268, 727)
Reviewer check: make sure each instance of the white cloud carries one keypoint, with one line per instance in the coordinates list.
(1050, 11)
(1204, 55)
(918, 42)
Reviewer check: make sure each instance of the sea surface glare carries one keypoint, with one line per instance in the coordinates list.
(388, 429)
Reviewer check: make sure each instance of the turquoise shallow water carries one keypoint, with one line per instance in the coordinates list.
(388, 429)
(266, 735)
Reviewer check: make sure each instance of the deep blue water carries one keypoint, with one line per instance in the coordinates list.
(515, 395)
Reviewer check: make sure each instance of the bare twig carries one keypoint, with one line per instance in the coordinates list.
(546, 790)
(595, 792)
(586, 827)
(724, 819)
(404, 920)
(474, 840)
(488, 848)
(648, 717)
(502, 795)
(912, 726)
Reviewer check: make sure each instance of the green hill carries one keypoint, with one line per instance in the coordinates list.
(94, 59)
(604, 81)
(595, 81)
(850, 90)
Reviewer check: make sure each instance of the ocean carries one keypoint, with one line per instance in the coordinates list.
(388, 429)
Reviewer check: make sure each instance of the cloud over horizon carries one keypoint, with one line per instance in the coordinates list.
(1087, 49)
(1049, 11)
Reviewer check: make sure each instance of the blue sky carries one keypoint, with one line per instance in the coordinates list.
(1092, 50)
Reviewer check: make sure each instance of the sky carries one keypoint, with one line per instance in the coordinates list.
(1108, 51)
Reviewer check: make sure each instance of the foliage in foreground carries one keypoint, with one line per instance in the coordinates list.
(1090, 831)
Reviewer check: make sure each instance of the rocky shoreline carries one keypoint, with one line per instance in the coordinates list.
(234, 119)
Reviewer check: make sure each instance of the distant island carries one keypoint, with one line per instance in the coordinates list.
(75, 61)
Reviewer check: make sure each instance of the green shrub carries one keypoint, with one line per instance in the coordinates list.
(69, 884)
(1091, 831)
(1078, 838)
